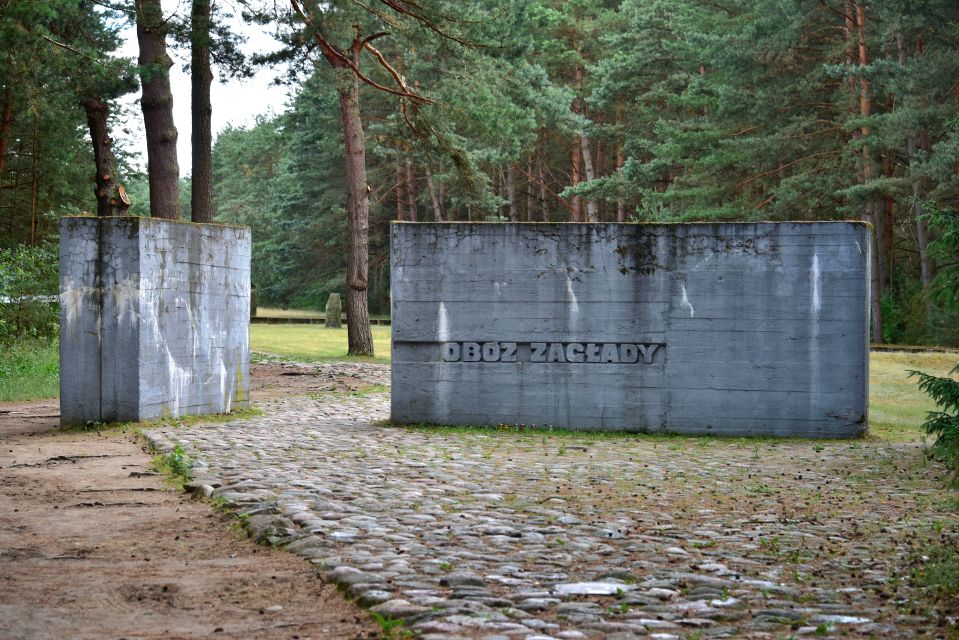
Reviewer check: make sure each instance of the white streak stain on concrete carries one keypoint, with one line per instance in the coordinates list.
(571, 298)
(442, 323)
(686, 303)
(126, 297)
(816, 286)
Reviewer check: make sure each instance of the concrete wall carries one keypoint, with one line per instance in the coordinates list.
(733, 329)
(154, 318)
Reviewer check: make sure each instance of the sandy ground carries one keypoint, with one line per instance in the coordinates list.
(94, 544)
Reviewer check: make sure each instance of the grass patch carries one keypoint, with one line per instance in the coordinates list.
(182, 421)
(939, 574)
(29, 370)
(897, 408)
(276, 312)
(175, 465)
(365, 390)
(522, 433)
(308, 314)
(312, 343)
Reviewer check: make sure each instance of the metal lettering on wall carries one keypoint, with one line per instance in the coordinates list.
(572, 352)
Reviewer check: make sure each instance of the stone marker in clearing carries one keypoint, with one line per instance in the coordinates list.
(724, 328)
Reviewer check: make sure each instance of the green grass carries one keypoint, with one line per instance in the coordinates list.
(939, 571)
(310, 343)
(275, 312)
(896, 406)
(181, 421)
(29, 370)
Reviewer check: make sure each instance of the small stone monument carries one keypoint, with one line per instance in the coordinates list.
(333, 311)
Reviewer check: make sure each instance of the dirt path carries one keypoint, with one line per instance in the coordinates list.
(93, 544)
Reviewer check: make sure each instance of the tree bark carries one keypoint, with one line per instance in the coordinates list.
(584, 149)
(541, 167)
(201, 77)
(434, 197)
(34, 182)
(922, 227)
(400, 193)
(5, 121)
(620, 203)
(870, 210)
(576, 204)
(529, 188)
(359, 335)
(110, 200)
(592, 212)
(410, 189)
(511, 192)
(157, 105)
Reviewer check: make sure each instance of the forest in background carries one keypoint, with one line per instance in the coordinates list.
(639, 110)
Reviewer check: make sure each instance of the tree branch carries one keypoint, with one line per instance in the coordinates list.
(788, 164)
(67, 47)
(338, 58)
(371, 38)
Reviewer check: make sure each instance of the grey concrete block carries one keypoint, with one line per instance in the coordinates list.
(726, 328)
(154, 318)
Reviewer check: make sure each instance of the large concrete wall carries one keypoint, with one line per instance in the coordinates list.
(732, 329)
(154, 318)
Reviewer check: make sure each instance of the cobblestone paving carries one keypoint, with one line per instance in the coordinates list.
(527, 535)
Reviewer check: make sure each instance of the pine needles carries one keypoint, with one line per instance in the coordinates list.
(943, 423)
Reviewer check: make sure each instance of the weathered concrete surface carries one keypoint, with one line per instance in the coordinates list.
(154, 318)
(732, 329)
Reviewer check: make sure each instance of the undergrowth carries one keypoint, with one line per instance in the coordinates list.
(944, 422)
(175, 465)
(29, 370)
(182, 421)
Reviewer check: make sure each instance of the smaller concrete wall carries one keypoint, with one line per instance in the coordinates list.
(154, 318)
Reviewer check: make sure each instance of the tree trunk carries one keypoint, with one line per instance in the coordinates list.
(922, 227)
(541, 168)
(110, 200)
(576, 205)
(870, 213)
(34, 182)
(357, 221)
(410, 189)
(442, 191)
(529, 188)
(434, 197)
(620, 203)
(157, 106)
(201, 77)
(5, 121)
(592, 212)
(400, 193)
(511, 192)
(583, 149)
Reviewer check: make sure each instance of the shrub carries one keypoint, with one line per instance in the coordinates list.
(944, 423)
(29, 284)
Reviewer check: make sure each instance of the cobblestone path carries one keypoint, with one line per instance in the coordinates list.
(465, 533)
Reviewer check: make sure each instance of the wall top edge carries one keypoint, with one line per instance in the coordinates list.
(860, 223)
(156, 221)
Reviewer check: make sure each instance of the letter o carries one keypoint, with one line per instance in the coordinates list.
(451, 352)
(490, 352)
